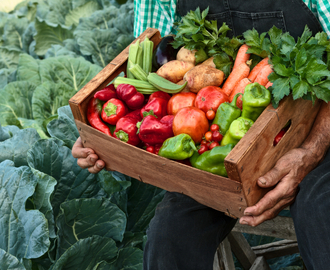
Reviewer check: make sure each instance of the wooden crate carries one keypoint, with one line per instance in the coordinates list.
(251, 157)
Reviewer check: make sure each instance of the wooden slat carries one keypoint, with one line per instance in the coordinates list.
(225, 255)
(277, 249)
(255, 154)
(209, 189)
(260, 264)
(279, 227)
(242, 250)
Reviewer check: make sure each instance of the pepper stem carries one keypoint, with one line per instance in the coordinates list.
(233, 103)
(193, 146)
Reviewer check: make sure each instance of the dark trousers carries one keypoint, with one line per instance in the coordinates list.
(184, 235)
(311, 216)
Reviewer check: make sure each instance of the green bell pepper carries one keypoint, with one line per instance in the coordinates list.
(212, 160)
(179, 147)
(236, 131)
(255, 99)
(226, 114)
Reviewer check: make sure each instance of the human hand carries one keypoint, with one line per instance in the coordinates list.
(286, 175)
(87, 157)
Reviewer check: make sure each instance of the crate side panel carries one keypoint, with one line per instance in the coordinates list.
(255, 154)
(220, 193)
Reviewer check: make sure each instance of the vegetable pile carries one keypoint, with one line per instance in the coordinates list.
(196, 107)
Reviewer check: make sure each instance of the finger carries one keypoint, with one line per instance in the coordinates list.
(87, 162)
(99, 165)
(272, 177)
(79, 151)
(267, 215)
(282, 192)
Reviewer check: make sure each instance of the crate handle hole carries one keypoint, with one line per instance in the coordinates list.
(282, 133)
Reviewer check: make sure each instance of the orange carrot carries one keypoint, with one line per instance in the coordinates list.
(239, 73)
(268, 84)
(241, 56)
(262, 77)
(239, 88)
(257, 68)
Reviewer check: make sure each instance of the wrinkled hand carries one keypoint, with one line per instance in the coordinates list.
(87, 157)
(286, 175)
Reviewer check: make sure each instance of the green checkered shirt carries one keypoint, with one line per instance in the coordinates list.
(161, 14)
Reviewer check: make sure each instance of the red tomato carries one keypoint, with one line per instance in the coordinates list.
(202, 149)
(150, 149)
(217, 136)
(214, 127)
(208, 136)
(191, 121)
(179, 101)
(210, 97)
(213, 144)
(210, 114)
(204, 142)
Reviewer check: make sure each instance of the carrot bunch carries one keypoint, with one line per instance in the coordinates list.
(242, 74)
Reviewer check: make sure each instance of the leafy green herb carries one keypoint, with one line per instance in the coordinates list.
(301, 67)
(197, 33)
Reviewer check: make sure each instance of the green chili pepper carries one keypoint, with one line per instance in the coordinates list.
(212, 160)
(179, 147)
(255, 99)
(236, 131)
(226, 114)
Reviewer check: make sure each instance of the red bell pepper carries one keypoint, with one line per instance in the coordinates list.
(94, 109)
(126, 130)
(128, 93)
(113, 110)
(106, 93)
(153, 131)
(135, 114)
(157, 105)
(159, 94)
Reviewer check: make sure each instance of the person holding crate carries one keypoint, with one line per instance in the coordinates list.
(185, 234)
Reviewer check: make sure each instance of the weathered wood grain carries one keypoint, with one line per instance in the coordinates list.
(254, 155)
(212, 190)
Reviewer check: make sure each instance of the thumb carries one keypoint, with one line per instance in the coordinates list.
(272, 177)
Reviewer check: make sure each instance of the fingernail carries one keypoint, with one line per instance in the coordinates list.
(99, 165)
(92, 159)
(262, 180)
(247, 214)
(243, 222)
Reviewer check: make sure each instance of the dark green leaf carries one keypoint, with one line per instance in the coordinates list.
(24, 234)
(304, 36)
(282, 70)
(87, 253)
(9, 262)
(142, 202)
(281, 88)
(300, 60)
(16, 147)
(275, 36)
(321, 93)
(81, 218)
(64, 127)
(300, 89)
